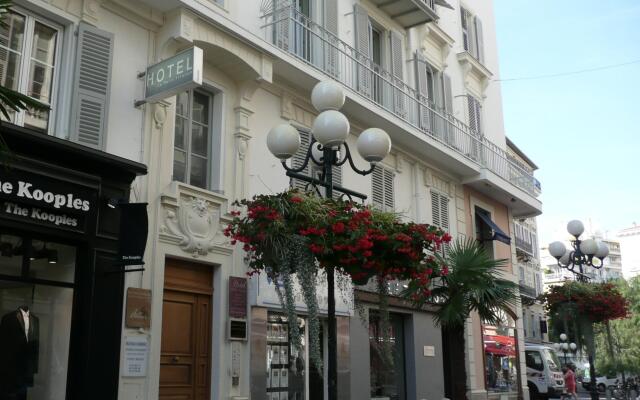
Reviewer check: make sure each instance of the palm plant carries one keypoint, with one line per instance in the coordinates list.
(10, 99)
(474, 284)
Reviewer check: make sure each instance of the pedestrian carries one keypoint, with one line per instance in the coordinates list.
(570, 383)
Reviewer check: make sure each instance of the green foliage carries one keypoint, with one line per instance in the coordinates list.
(625, 340)
(474, 283)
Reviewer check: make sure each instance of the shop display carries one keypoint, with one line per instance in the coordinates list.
(285, 363)
(19, 345)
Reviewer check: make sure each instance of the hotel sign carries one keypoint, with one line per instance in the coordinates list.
(174, 75)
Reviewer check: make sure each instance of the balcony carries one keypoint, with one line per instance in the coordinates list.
(409, 13)
(527, 291)
(451, 141)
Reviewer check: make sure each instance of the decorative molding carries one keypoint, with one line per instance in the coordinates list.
(90, 11)
(136, 12)
(435, 36)
(286, 106)
(192, 220)
(472, 67)
(160, 113)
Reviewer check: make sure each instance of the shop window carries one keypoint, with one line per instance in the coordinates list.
(501, 371)
(387, 358)
(287, 364)
(192, 155)
(36, 298)
(28, 64)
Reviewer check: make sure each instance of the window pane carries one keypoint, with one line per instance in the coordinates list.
(201, 108)
(44, 44)
(198, 176)
(12, 33)
(199, 140)
(53, 261)
(34, 364)
(182, 104)
(10, 255)
(181, 129)
(37, 120)
(9, 69)
(179, 165)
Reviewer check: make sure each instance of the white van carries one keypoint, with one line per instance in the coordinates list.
(544, 376)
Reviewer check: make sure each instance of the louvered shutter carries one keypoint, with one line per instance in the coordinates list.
(337, 180)
(298, 159)
(389, 200)
(440, 212)
(472, 44)
(479, 39)
(421, 87)
(363, 48)
(435, 209)
(331, 43)
(92, 85)
(377, 187)
(465, 28)
(282, 13)
(448, 109)
(399, 101)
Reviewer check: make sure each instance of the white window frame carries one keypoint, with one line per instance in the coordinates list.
(23, 80)
(215, 139)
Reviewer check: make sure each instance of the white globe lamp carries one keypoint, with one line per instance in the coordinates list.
(283, 141)
(330, 128)
(557, 249)
(575, 228)
(573, 346)
(564, 260)
(563, 336)
(327, 95)
(565, 346)
(589, 247)
(603, 250)
(374, 145)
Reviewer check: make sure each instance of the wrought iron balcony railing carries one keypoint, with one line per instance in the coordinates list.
(295, 33)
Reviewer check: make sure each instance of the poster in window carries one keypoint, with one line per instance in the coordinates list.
(276, 355)
(275, 377)
(284, 378)
(284, 355)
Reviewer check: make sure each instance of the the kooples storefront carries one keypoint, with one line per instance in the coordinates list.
(61, 289)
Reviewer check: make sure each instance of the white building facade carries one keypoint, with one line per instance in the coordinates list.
(420, 70)
(629, 239)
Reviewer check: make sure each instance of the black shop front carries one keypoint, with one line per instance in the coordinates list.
(61, 286)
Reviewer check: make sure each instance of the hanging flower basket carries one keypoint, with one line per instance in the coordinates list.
(293, 233)
(356, 239)
(597, 302)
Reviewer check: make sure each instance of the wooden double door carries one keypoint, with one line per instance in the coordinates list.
(185, 362)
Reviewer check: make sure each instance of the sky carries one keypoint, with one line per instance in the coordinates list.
(581, 130)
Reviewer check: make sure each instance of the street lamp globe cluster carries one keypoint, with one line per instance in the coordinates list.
(583, 253)
(330, 130)
(328, 148)
(565, 346)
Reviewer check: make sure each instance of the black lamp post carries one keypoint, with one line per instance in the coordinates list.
(330, 131)
(584, 253)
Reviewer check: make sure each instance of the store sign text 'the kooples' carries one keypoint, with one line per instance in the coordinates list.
(23, 190)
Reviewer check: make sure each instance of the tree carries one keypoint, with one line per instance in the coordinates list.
(622, 339)
(10, 100)
(474, 284)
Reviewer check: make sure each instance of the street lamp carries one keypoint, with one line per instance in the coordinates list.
(330, 131)
(566, 347)
(584, 253)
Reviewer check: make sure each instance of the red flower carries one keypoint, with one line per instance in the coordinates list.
(338, 227)
(296, 199)
(316, 248)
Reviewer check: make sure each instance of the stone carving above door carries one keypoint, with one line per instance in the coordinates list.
(193, 220)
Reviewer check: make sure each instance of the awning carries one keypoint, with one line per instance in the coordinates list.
(507, 351)
(498, 234)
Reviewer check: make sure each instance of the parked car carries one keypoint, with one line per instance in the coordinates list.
(602, 382)
(544, 377)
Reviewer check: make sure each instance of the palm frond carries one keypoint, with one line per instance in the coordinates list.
(474, 283)
(16, 101)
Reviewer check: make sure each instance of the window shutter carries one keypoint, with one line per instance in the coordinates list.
(281, 14)
(331, 25)
(421, 87)
(440, 210)
(448, 94)
(363, 47)
(389, 201)
(377, 187)
(474, 115)
(337, 180)
(398, 73)
(435, 209)
(479, 39)
(472, 44)
(298, 159)
(92, 85)
(465, 28)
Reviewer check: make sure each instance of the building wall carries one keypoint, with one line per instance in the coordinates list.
(629, 239)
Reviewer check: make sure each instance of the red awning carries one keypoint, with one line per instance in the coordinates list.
(507, 351)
